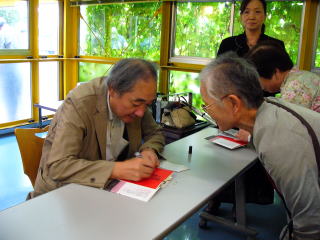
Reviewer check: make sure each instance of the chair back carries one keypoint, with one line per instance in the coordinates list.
(30, 147)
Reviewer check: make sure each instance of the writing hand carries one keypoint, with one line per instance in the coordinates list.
(150, 154)
(133, 169)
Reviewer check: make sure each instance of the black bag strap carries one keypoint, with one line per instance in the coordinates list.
(316, 147)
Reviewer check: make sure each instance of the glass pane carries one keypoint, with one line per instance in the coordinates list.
(14, 29)
(317, 62)
(121, 30)
(48, 36)
(283, 22)
(186, 82)
(88, 71)
(48, 83)
(15, 92)
(200, 27)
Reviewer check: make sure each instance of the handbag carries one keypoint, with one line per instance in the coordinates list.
(178, 115)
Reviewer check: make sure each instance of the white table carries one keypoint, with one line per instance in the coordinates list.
(51, 106)
(76, 212)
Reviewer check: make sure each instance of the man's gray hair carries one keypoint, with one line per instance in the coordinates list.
(126, 72)
(230, 74)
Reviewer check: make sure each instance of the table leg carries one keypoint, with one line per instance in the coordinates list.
(240, 201)
(240, 224)
(40, 117)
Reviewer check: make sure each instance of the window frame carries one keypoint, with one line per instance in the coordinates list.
(316, 41)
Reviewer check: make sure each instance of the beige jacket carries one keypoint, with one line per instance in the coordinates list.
(75, 148)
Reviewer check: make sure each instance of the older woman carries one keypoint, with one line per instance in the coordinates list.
(276, 73)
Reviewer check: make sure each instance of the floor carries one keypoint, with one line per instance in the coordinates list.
(268, 220)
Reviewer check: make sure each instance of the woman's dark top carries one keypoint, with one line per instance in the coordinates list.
(239, 45)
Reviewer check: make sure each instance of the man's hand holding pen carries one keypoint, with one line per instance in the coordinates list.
(137, 168)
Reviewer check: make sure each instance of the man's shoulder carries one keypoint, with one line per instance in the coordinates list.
(92, 88)
(280, 120)
(89, 96)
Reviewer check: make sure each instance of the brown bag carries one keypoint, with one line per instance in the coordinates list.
(178, 115)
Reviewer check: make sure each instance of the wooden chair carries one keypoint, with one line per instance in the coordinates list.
(30, 147)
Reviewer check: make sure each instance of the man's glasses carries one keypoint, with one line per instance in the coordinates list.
(206, 107)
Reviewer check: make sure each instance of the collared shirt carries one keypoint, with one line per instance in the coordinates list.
(115, 141)
(286, 151)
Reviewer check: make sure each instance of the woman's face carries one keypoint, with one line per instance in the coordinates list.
(253, 16)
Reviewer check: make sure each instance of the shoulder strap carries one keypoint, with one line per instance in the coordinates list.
(315, 141)
(316, 147)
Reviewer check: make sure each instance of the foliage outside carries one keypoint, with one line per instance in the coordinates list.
(133, 30)
(317, 61)
(121, 30)
(89, 71)
(200, 27)
(186, 82)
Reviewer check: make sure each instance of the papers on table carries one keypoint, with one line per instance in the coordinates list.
(173, 166)
(227, 142)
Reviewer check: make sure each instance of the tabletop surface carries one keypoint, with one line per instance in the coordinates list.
(75, 212)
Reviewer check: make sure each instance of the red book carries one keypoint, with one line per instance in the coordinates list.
(158, 176)
(143, 190)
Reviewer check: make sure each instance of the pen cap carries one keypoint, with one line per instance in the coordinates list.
(190, 150)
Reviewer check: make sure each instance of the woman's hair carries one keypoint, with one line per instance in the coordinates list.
(244, 5)
(267, 56)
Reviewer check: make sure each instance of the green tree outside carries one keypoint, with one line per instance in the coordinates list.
(133, 30)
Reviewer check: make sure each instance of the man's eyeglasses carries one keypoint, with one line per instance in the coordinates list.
(206, 107)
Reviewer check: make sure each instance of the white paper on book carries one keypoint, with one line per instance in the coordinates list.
(226, 143)
(137, 191)
(173, 166)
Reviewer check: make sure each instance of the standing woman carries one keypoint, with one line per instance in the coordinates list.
(252, 14)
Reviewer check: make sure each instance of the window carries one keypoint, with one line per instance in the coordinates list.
(317, 61)
(15, 92)
(200, 27)
(317, 42)
(186, 82)
(88, 71)
(121, 30)
(49, 76)
(48, 27)
(14, 29)
(48, 83)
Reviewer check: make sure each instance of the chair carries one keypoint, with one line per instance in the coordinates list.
(30, 147)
